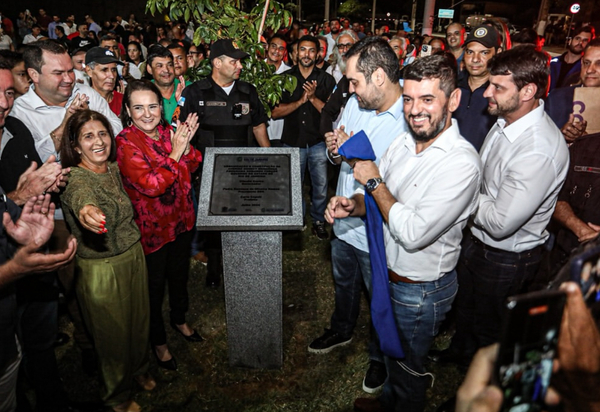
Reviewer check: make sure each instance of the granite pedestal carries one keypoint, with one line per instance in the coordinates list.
(251, 195)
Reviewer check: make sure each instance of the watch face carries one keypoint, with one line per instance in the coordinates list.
(372, 184)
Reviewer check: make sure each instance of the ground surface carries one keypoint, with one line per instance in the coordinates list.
(306, 383)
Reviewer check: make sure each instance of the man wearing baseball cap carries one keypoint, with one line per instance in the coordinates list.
(472, 116)
(230, 114)
(101, 67)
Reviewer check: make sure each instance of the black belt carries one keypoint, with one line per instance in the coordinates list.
(495, 249)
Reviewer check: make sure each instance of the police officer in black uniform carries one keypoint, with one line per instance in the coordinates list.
(230, 114)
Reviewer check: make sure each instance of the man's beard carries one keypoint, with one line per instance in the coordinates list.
(424, 136)
(339, 60)
(572, 49)
(301, 61)
(501, 111)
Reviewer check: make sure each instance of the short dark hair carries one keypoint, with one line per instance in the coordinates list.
(156, 51)
(178, 45)
(4, 65)
(135, 86)
(585, 29)
(109, 37)
(277, 36)
(60, 29)
(34, 53)
(525, 36)
(526, 65)
(11, 58)
(374, 52)
(592, 43)
(311, 39)
(68, 155)
(433, 67)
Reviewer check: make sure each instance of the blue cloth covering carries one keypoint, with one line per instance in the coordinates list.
(359, 147)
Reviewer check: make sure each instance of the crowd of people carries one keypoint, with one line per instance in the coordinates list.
(481, 182)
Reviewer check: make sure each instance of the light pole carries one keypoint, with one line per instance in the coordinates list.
(373, 17)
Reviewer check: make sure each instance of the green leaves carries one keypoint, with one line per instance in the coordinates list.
(215, 19)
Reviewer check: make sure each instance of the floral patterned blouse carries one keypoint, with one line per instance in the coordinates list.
(159, 187)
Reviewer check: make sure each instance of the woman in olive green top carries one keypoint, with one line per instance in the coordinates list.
(112, 285)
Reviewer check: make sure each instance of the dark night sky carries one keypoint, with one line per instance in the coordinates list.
(104, 9)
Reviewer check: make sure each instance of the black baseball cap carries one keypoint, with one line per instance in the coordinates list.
(226, 47)
(484, 34)
(101, 55)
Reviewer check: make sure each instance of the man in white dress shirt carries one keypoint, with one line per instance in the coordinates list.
(525, 160)
(426, 187)
(54, 97)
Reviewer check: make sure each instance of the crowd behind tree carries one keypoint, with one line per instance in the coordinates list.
(116, 102)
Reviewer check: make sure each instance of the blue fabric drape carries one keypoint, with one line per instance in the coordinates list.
(359, 147)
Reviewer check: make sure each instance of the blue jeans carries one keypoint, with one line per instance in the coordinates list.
(419, 309)
(486, 278)
(351, 266)
(315, 158)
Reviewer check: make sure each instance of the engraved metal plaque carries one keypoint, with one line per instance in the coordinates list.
(246, 188)
(250, 184)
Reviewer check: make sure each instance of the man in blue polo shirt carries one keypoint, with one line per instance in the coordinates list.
(472, 116)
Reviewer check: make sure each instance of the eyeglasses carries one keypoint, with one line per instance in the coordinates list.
(344, 46)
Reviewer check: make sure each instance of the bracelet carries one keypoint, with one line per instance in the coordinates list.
(332, 156)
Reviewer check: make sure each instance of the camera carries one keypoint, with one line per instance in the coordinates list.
(236, 110)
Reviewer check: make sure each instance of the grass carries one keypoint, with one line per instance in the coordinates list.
(305, 383)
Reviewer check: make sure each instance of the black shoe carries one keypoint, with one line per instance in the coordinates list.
(327, 342)
(89, 363)
(170, 364)
(318, 229)
(61, 339)
(447, 356)
(194, 337)
(375, 377)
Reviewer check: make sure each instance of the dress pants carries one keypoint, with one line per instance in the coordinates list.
(168, 265)
(486, 277)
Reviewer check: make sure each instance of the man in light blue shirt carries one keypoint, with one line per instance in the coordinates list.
(376, 109)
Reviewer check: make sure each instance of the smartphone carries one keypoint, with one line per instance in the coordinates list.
(585, 271)
(425, 50)
(527, 349)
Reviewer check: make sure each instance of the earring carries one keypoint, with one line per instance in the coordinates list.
(129, 123)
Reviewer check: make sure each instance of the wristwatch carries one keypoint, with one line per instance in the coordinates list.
(373, 184)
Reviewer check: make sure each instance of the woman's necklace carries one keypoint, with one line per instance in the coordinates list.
(156, 136)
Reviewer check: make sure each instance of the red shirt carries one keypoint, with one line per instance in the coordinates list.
(159, 187)
(116, 103)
